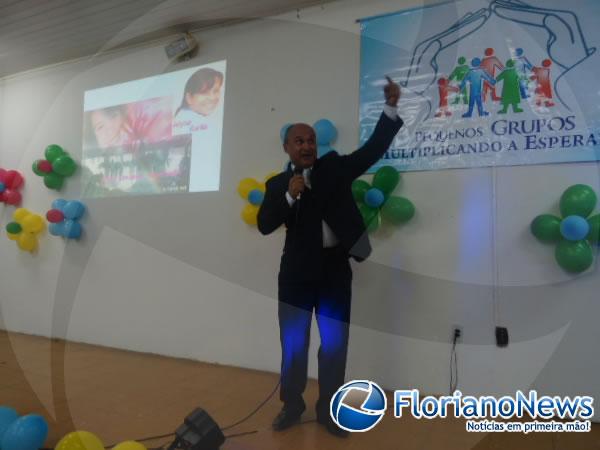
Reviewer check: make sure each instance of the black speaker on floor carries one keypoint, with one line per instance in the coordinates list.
(198, 432)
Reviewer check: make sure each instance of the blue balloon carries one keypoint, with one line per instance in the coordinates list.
(72, 229)
(256, 197)
(326, 131)
(59, 204)
(574, 228)
(7, 417)
(284, 131)
(27, 433)
(2, 187)
(56, 229)
(374, 198)
(73, 209)
(322, 150)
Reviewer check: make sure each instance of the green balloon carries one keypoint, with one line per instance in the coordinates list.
(64, 165)
(594, 234)
(374, 224)
(367, 212)
(359, 189)
(578, 200)
(53, 152)
(574, 257)
(398, 210)
(370, 217)
(53, 180)
(546, 228)
(35, 168)
(386, 179)
(13, 228)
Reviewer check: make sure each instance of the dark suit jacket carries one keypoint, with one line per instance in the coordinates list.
(329, 199)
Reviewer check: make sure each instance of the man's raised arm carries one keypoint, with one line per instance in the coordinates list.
(386, 129)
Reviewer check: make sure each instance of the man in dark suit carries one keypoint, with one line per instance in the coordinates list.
(313, 198)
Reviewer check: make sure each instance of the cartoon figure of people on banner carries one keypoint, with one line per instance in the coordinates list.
(478, 84)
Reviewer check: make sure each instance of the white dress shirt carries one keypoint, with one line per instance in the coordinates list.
(329, 237)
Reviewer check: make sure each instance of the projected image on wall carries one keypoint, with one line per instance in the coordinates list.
(156, 135)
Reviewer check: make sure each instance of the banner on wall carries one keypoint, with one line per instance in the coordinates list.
(486, 83)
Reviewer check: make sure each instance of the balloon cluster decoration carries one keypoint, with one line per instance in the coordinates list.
(21, 433)
(24, 229)
(376, 202)
(326, 134)
(11, 182)
(574, 233)
(64, 218)
(84, 440)
(254, 192)
(57, 166)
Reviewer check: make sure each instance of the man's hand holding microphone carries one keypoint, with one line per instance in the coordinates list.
(296, 185)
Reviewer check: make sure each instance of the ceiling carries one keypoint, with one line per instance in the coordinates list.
(36, 33)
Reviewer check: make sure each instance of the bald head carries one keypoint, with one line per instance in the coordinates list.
(300, 143)
(295, 127)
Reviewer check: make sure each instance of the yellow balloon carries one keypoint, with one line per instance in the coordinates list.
(13, 237)
(33, 223)
(247, 185)
(20, 214)
(271, 175)
(130, 445)
(27, 242)
(249, 214)
(262, 187)
(80, 440)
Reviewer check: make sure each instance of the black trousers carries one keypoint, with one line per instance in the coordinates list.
(330, 298)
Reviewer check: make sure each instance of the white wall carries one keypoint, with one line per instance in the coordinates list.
(182, 275)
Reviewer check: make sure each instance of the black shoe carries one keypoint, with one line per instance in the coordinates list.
(332, 428)
(286, 418)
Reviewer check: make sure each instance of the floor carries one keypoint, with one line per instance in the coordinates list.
(120, 396)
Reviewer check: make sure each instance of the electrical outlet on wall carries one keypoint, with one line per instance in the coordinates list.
(501, 336)
(456, 333)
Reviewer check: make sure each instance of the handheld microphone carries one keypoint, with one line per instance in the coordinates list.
(298, 171)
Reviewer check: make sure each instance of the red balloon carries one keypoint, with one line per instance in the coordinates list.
(45, 166)
(12, 197)
(55, 216)
(13, 179)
